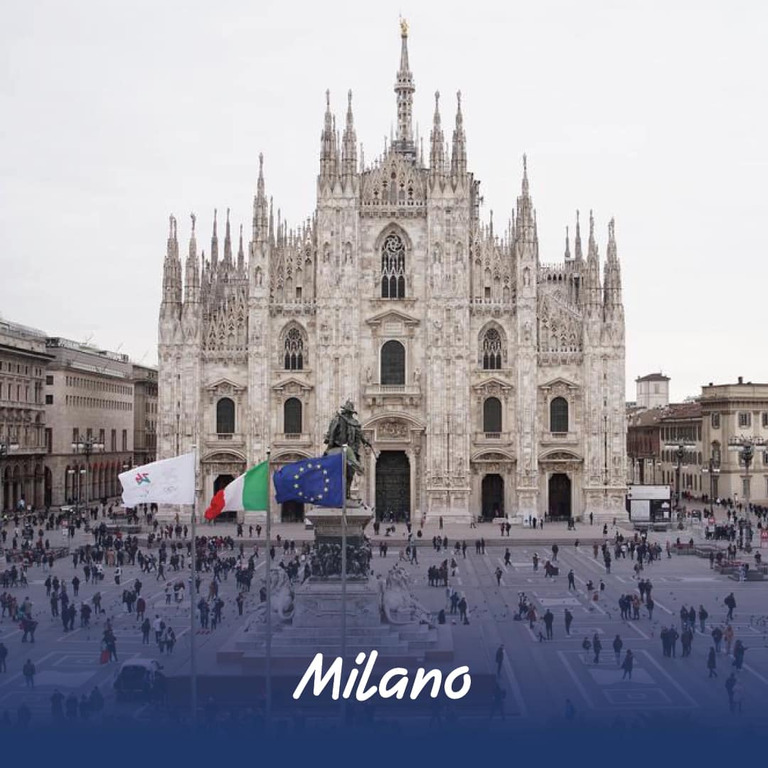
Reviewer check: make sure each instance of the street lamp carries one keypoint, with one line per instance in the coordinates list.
(87, 446)
(6, 447)
(713, 470)
(746, 449)
(680, 449)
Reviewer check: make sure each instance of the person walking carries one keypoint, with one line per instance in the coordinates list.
(618, 644)
(499, 574)
(730, 603)
(717, 638)
(568, 622)
(597, 646)
(728, 636)
(549, 619)
(499, 659)
(571, 580)
(703, 616)
(738, 654)
(29, 673)
(712, 663)
(3, 657)
(629, 661)
(146, 625)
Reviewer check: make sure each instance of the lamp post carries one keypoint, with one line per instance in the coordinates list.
(86, 446)
(679, 449)
(6, 447)
(746, 449)
(713, 471)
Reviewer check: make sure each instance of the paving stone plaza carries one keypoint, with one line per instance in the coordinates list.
(538, 675)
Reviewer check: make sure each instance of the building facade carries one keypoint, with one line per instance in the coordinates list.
(652, 390)
(489, 381)
(144, 414)
(23, 359)
(733, 414)
(88, 396)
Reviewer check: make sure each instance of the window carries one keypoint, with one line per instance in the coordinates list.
(558, 415)
(294, 350)
(101, 436)
(745, 419)
(49, 379)
(48, 439)
(715, 421)
(75, 435)
(491, 350)
(393, 363)
(292, 416)
(393, 268)
(225, 416)
(113, 440)
(49, 399)
(765, 418)
(492, 415)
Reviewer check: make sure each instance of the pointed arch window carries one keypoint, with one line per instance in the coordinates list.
(393, 267)
(558, 415)
(491, 350)
(294, 350)
(292, 416)
(492, 415)
(225, 416)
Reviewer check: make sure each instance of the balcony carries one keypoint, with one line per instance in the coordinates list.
(295, 439)
(491, 438)
(392, 394)
(559, 438)
(226, 440)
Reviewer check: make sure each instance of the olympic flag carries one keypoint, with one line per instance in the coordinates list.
(170, 481)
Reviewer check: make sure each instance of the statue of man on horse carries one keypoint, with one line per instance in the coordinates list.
(345, 429)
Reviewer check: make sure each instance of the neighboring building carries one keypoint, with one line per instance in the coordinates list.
(644, 446)
(88, 394)
(23, 359)
(144, 414)
(489, 382)
(652, 391)
(732, 413)
(680, 423)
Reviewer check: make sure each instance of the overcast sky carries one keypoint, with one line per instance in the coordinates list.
(114, 115)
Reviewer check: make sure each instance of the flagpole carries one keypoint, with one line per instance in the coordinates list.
(268, 660)
(192, 594)
(343, 566)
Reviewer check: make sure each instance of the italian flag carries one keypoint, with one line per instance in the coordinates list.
(249, 491)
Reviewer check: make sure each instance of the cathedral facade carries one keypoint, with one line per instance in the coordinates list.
(489, 383)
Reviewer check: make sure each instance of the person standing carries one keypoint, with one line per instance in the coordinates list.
(728, 636)
(717, 638)
(29, 673)
(730, 685)
(146, 625)
(571, 580)
(549, 619)
(568, 622)
(703, 616)
(629, 661)
(618, 644)
(3, 657)
(730, 603)
(738, 654)
(712, 663)
(499, 574)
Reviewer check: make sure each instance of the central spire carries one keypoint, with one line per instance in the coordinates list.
(404, 89)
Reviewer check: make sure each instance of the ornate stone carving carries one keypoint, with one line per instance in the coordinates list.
(392, 430)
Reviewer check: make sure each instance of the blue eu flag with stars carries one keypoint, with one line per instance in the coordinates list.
(311, 481)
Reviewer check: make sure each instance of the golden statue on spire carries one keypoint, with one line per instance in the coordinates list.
(403, 27)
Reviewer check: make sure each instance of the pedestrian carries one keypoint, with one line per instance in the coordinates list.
(703, 616)
(146, 625)
(728, 636)
(29, 673)
(717, 637)
(240, 600)
(499, 659)
(730, 603)
(629, 661)
(618, 644)
(3, 657)
(568, 622)
(586, 646)
(571, 580)
(597, 646)
(738, 654)
(712, 663)
(499, 574)
(730, 685)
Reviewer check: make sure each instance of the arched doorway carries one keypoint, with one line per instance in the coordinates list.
(393, 486)
(292, 512)
(559, 497)
(220, 482)
(493, 497)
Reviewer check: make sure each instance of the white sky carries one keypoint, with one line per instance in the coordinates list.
(113, 115)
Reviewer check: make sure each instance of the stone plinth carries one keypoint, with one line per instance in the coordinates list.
(328, 521)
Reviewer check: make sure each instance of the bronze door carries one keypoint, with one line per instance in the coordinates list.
(393, 485)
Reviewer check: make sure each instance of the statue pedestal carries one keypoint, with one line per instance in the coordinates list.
(328, 521)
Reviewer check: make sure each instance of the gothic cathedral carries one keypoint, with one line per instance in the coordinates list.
(489, 383)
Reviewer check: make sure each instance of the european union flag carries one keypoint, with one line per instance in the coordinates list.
(312, 481)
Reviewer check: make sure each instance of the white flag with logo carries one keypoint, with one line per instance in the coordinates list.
(170, 481)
